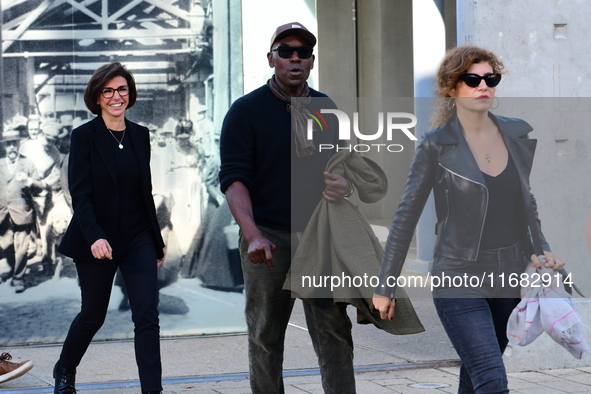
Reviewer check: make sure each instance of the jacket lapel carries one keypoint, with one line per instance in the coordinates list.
(136, 139)
(103, 143)
(5, 175)
(459, 158)
(522, 152)
(521, 149)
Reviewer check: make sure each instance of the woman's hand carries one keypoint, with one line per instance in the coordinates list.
(101, 249)
(161, 261)
(551, 261)
(385, 306)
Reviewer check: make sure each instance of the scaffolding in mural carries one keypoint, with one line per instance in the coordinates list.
(50, 48)
(59, 43)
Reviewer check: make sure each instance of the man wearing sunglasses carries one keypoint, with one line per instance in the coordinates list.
(261, 131)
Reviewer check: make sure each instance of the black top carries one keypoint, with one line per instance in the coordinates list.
(133, 215)
(255, 149)
(505, 220)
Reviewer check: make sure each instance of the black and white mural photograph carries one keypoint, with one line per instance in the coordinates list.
(186, 59)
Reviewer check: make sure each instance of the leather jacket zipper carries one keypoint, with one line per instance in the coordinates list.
(447, 203)
(485, 205)
(444, 222)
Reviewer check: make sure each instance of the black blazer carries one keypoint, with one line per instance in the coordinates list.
(92, 176)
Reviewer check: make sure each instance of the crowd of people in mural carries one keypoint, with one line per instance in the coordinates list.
(35, 203)
(184, 169)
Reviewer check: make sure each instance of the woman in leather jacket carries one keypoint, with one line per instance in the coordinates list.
(478, 166)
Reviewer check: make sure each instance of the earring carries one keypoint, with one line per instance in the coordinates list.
(498, 103)
(453, 103)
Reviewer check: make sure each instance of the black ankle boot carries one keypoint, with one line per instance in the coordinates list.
(65, 380)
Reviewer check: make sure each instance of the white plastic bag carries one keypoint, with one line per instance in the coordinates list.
(546, 306)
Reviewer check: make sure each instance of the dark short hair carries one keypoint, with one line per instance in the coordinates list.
(100, 77)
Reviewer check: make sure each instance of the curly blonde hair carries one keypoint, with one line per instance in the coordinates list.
(455, 63)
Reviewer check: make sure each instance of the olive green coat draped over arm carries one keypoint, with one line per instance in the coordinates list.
(340, 243)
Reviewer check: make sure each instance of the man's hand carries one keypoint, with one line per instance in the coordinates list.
(385, 306)
(22, 177)
(260, 250)
(336, 187)
(101, 249)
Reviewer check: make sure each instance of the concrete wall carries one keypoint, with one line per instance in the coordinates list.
(544, 46)
(543, 43)
(367, 51)
(337, 43)
(227, 57)
(541, 62)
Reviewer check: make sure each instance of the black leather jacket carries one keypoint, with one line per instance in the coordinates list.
(443, 162)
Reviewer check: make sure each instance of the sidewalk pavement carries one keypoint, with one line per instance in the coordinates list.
(421, 363)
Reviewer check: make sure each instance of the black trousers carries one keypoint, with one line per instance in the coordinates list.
(137, 263)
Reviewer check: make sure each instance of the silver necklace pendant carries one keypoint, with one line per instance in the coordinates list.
(120, 146)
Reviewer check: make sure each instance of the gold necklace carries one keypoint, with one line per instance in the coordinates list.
(118, 141)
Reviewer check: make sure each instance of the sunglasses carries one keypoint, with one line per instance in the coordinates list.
(286, 52)
(473, 80)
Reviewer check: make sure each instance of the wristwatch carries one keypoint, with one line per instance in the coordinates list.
(350, 192)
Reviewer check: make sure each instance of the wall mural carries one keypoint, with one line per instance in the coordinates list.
(49, 51)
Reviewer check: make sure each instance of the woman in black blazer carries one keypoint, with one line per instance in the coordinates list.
(114, 226)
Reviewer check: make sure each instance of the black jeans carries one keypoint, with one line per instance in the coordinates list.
(137, 263)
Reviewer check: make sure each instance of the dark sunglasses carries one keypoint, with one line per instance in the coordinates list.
(473, 80)
(286, 52)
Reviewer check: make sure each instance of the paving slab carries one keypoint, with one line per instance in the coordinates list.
(421, 363)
